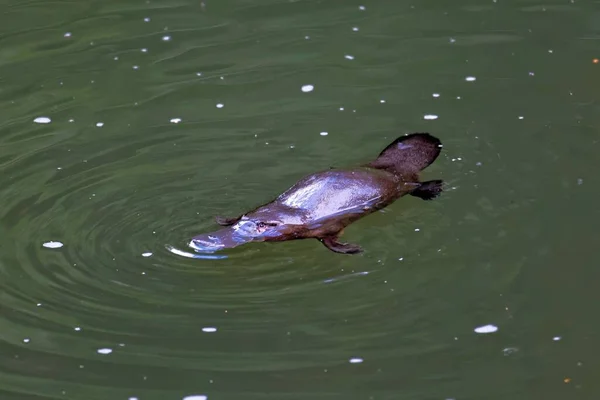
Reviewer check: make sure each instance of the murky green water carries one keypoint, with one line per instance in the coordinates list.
(138, 155)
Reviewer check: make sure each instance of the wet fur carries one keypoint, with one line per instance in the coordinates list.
(401, 161)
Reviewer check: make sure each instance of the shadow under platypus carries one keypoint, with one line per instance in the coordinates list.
(321, 205)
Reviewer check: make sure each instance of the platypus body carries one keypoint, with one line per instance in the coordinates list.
(321, 205)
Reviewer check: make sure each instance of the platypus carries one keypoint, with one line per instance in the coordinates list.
(321, 205)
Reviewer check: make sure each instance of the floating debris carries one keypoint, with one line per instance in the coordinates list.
(42, 120)
(486, 329)
(53, 245)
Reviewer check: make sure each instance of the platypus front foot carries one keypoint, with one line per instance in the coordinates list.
(331, 242)
(223, 221)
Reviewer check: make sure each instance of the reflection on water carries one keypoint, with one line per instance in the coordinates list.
(127, 126)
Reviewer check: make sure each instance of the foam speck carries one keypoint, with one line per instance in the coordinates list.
(362, 8)
(147, 19)
(196, 397)
(147, 254)
(307, 88)
(53, 245)
(67, 34)
(99, 124)
(26, 340)
(324, 133)
(349, 57)
(209, 329)
(175, 120)
(166, 38)
(436, 95)
(220, 105)
(470, 79)
(486, 329)
(556, 338)
(356, 360)
(42, 120)
(355, 29)
(104, 351)
(430, 116)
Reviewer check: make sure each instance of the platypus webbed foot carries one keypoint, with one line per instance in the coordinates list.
(223, 221)
(331, 242)
(429, 190)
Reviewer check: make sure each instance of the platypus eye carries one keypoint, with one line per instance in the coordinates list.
(263, 225)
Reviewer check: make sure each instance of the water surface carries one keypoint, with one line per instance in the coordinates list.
(152, 117)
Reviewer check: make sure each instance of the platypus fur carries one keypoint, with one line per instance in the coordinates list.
(321, 205)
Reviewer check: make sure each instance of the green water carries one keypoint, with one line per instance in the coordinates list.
(112, 314)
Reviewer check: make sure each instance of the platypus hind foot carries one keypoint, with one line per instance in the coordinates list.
(331, 242)
(223, 221)
(429, 190)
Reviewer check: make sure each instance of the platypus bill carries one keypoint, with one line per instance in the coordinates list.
(321, 205)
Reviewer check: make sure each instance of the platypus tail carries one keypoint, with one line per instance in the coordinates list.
(407, 156)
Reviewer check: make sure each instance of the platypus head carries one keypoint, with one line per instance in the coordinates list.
(244, 231)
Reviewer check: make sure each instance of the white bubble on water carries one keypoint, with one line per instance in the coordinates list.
(307, 88)
(99, 124)
(349, 57)
(355, 28)
(147, 19)
(556, 338)
(77, 329)
(147, 254)
(470, 79)
(362, 8)
(67, 34)
(521, 117)
(430, 117)
(436, 95)
(42, 120)
(209, 329)
(486, 329)
(220, 105)
(144, 50)
(356, 360)
(166, 38)
(175, 120)
(26, 340)
(136, 67)
(196, 397)
(104, 351)
(53, 245)
(324, 133)
(382, 101)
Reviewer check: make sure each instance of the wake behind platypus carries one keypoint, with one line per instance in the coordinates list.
(321, 205)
